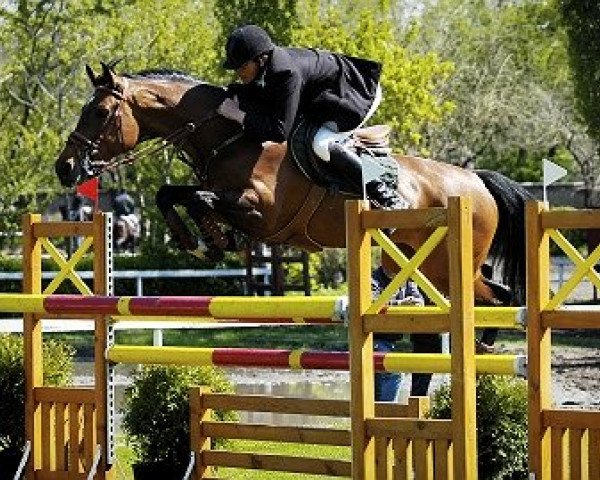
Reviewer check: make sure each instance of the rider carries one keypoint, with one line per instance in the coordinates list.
(278, 84)
(123, 204)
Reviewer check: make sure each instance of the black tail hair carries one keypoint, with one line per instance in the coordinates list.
(508, 246)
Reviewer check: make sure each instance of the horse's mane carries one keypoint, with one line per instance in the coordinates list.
(165, 74)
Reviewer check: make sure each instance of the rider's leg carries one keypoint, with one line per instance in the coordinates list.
(387, 384)
(328, 145)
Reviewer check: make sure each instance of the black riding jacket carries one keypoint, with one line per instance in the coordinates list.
(320, 85)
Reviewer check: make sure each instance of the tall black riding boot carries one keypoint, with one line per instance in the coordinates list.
(349, 164)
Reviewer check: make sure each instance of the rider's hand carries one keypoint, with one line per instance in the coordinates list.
(230, 108)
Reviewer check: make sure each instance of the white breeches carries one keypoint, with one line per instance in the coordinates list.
(329, 133)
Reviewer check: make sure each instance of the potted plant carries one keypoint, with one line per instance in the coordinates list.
(501, 425)
(58, 371)
(156, 417)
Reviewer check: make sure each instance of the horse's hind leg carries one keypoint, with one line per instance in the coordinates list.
(490, 293)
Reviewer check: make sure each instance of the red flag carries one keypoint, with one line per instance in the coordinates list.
(89, 189)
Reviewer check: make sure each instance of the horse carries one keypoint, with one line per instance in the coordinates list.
(258, 190)
(126, 232)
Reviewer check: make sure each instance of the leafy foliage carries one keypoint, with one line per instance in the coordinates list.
(156, 410)
(501, 425)
(278, 17)
(409, 80)
(58, 370)
(582, 22)
(511, 85)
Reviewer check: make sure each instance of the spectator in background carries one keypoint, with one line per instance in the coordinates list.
(123, 204)
(387, 384)
(127, 224)
(75, 210)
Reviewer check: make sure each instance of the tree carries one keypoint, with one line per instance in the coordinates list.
(277, 17)
(45, 45)
(40, 45)
(511, 85)
(581, 19)
(409, 80)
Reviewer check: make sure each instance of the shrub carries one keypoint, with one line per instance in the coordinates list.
(156, 410)
(58, 371)
(501, 425)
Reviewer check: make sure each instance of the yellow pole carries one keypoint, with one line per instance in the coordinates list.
(462, 331)
(199, 442)
(32, 342)
(538, 341)
(362, 406)
(102, 286)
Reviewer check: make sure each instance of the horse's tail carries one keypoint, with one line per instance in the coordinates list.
(508, 246)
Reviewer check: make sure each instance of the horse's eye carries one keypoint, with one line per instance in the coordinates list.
(101, 111)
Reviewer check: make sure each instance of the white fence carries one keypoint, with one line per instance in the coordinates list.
(141, 275)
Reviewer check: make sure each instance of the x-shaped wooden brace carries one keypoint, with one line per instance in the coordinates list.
(67, 268)
(409, 269)
(583, 267)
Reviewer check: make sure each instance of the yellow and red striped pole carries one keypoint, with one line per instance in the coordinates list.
(314, 310)
(305, 359)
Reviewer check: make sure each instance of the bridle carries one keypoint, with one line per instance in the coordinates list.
(88, 150)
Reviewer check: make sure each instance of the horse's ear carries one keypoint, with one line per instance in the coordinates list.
(91, 75)
(114, 63)
(108, 76)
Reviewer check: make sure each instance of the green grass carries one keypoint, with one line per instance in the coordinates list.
(125, 458)
(293, 336)
(288, 449)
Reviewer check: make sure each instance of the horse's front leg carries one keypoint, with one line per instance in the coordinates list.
(166, 198)
(212, 241)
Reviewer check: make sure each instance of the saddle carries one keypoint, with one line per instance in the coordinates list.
(370, 143)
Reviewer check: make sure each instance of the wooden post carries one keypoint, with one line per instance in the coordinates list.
(358, 243)
(199, 443)
(32, 342)
(538, 341)
(102, 266)
(462, 333)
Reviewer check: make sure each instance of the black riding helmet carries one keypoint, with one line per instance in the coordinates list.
(244, 44)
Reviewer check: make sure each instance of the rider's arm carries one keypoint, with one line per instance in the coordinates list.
(274, 122)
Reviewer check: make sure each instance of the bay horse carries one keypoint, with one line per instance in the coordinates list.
(258, 190)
